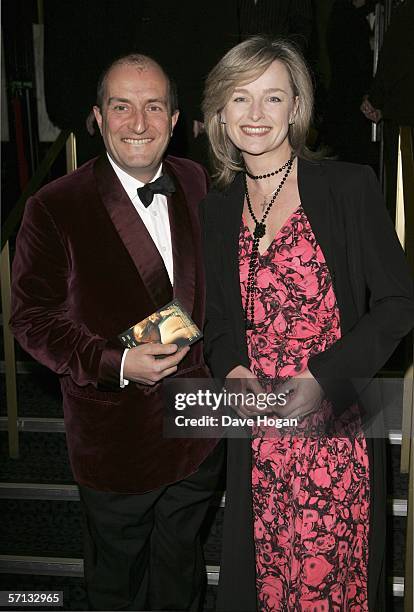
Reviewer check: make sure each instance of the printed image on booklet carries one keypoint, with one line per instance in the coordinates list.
(170, 324)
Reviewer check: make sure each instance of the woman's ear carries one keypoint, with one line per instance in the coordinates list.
(292, 116)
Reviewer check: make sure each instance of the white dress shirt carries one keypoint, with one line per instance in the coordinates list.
(155, 219)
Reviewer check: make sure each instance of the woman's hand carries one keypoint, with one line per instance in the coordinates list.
(241, 380)
(304, 396)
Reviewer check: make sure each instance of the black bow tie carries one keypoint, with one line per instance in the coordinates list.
(164, 184)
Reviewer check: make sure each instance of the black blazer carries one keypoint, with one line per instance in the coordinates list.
(371, 280)
(375, 297)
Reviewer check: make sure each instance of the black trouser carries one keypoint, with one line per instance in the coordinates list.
(143, 552)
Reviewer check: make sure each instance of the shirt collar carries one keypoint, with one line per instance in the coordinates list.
(128, 182)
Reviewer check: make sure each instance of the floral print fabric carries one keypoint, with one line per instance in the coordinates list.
(310, 494)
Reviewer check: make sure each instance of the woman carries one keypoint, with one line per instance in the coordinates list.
(307, 284)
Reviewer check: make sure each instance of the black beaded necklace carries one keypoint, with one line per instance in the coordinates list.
(269, 174)
(259, 232)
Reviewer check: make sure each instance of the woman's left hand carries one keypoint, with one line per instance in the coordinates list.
(304, 395)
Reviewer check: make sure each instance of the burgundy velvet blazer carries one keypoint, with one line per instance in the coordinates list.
(86, 269)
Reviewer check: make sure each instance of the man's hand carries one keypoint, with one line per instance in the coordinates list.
(242, 380)
(149, 363)
(371, 113)
(304, 396)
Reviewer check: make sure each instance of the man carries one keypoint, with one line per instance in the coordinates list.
(92, 260)
(392, 90)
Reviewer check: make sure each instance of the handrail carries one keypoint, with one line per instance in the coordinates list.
(9, 355)
(405, 229)
(35, 182)
(10, 226)
(404, 222)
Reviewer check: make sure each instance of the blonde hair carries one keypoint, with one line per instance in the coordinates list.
(241, 65)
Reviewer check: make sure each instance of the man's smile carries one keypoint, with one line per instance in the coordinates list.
(137, 141)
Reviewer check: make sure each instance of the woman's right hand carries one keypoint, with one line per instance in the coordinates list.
(241, 380)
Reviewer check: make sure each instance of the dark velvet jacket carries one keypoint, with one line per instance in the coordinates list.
(85, 270)
(375, 298)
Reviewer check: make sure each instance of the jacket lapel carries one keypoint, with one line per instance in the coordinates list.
(232, 211)
(314, 196)
(183, 245)
(232, 215)
(133, 234)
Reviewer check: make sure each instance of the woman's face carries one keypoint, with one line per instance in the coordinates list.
(257, 115)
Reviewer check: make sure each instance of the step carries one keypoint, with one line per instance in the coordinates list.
(30, 490)
(36, 424)
(53, 528)
(38, 395)
(43, 424)
(66, 566)
(49, 566)
(51, 491)
(44, 459)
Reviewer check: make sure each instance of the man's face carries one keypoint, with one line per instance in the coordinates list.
(135, 120)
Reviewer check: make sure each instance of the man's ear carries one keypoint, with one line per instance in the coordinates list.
(98, 117)
(174, 119)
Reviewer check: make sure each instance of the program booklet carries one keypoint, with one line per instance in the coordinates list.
(171, 324)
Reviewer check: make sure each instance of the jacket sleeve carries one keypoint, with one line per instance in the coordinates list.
(41, 300)
(357, 356)
(219, 342)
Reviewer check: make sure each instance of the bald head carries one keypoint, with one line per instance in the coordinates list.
(141, 63)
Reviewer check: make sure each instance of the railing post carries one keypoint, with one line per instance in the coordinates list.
(9, 354)
(71, 160)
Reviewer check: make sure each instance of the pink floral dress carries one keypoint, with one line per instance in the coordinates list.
(310, 494)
